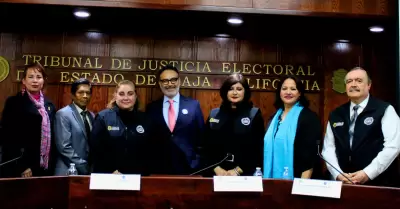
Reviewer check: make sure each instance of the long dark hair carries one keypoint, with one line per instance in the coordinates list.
(300, 87)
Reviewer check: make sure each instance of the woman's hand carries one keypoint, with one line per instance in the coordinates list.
(235, 172)
(116, 172)
(232, 173)
(27, 173)
(220, 171)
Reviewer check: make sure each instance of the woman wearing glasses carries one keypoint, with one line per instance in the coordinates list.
(290, 144)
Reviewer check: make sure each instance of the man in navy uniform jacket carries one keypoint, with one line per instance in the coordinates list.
(177, 127)
(363, 136)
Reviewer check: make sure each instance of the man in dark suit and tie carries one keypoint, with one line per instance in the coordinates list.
(72, 129)
(177, 127)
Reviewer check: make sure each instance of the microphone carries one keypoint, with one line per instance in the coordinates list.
(319, 154)
(211, 166)
(12, 160)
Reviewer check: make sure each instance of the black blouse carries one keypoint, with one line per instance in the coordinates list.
(231, 134)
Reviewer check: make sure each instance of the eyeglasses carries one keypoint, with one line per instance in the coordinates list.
(166, 81)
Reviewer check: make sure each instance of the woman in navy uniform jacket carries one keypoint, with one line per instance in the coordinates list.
(119, 135)
(27, 128)
(290, 143)
(235, 129)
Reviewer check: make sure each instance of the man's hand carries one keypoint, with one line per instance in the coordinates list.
(220, 171)
(343, 179)
(26, 173)
(359, 177)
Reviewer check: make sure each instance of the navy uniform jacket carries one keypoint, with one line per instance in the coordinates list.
(238, 132)
(116, 146)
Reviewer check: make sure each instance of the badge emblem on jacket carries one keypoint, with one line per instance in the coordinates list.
(338, 124)
(213, 120)
(368, 121)
(140, 129)
(245, 121)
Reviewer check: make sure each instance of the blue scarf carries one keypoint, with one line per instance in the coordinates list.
(278, 149)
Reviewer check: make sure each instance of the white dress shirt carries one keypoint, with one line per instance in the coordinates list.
(166, 107)
(87, 115)
(391, 146)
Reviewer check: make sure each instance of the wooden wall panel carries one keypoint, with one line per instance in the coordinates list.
(88, 44)
(208, 99)
(263, 52)
(264, 101)
(8, 47)
(64, 96)
(290, 7)
(338, 56)
(214, 49)
(327, 58)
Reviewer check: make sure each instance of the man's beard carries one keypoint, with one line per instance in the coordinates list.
(171, 93)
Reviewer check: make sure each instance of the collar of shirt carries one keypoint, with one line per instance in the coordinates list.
(78, 108)
(175, 98)
(362, 105)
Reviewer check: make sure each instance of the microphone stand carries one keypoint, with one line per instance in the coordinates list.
(12, 160)
(319, 154)
(213, 165)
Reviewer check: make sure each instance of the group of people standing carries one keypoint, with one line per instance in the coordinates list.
(361, 142)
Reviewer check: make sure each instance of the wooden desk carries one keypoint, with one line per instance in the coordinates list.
(179, 193)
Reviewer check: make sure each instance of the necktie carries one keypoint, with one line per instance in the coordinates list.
(352, 123)
(171, 115)
(86, 122)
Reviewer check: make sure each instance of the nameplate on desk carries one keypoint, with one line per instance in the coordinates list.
(114, 182)
(238, 184)
(319, 188)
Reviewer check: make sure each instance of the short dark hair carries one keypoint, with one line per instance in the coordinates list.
(37, 66)
(300, 87)
(78, 82)
(230, 81)
(166, 67)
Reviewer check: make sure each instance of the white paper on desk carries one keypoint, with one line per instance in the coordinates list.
(319, 188)
(100, 181)
(238, 184)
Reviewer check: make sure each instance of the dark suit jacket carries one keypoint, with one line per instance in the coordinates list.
(22, 126)
(228, 132)
(308, 132)
(177, 152)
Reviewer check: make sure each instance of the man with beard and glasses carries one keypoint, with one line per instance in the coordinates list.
(363, 136)
(73, 125)
(177, 127)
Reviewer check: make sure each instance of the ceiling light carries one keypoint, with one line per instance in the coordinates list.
(80, 13)
(343, 41)
(222, 35)
(235, 20)
(376, 29)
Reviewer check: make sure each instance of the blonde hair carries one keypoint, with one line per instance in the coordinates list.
(112, 102)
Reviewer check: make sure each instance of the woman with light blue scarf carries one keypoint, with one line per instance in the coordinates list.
(290, 144)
